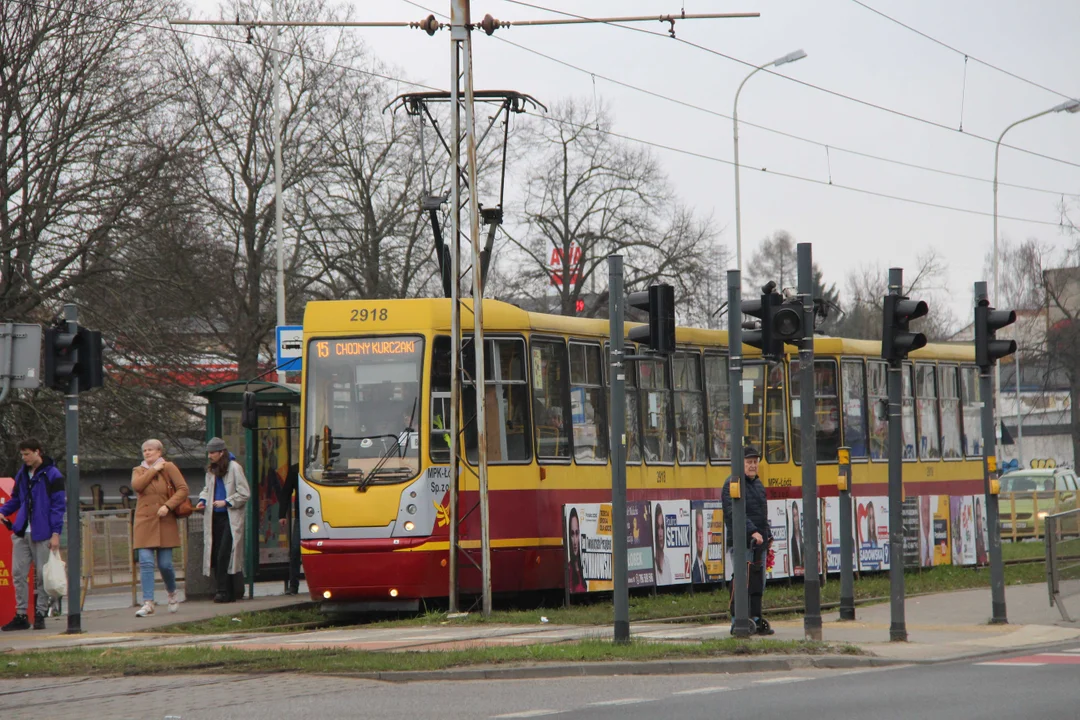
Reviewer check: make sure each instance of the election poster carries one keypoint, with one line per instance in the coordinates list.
(830, 532)
(671, 550)
(942, 555)
(926, 529)
(909, 511)
(707, 550)
(982, 539)
(778, 526)
(639, 545)
(966, 521)
(796, 546)
(588, 547)
(872, 527)
(956, 540)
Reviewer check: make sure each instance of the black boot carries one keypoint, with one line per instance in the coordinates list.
(19, 622)
(39, 621)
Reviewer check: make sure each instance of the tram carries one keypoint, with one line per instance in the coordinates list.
(374, 475)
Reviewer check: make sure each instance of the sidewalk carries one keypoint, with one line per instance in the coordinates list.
(947, 626)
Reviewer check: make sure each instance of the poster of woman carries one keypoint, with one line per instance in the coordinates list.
(955, 529)
(779, 527)
(967, 530)
(981, 538)
(588, 547)
(873, 532)
(942, 556)
(795, 538)
(926, 530)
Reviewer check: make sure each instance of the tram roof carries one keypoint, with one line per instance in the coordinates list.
(335, 317)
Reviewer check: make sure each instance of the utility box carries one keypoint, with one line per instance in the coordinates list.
(7, 585)
(196, 585)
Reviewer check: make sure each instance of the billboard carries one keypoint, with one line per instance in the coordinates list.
(940, 504)
(778, 526)
(639, 545)
(588, 547)
(707, 550)
(872, 531)
(671, 542)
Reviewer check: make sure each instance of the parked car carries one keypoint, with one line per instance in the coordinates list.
(1028, 496)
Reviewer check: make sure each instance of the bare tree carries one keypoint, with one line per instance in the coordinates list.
(1020, 270)
(868, 285)
(588, 195)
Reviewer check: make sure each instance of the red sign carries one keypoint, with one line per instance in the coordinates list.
(559, 264)
(7, 588)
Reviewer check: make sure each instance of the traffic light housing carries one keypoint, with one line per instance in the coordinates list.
(61, 357)
(988, 349)
(659, 333)
(779, 321)
(91, 368)
(249, 412)
(896, 339)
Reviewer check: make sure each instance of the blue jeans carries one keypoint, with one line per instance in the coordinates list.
(146, 570)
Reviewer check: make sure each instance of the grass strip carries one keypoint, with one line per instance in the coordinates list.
(680, 603)
(178, 660)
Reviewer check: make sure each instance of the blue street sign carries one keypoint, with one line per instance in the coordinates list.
(290, 348)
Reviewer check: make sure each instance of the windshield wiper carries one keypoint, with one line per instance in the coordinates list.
(375, 471)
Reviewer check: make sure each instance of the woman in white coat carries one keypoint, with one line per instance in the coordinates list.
(223, 500)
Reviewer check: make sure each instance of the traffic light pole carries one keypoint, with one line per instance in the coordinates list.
(993, 525)
(898, 628)
(618, 450)
(739, 587)
(847, 544)
(74, 531)
(808, 425)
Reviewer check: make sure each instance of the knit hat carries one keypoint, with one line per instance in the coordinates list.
(215, 445)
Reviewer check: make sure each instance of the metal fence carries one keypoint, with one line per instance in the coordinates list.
(108, 555)
(1063, 559)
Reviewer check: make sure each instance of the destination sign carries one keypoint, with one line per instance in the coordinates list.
(358, 348)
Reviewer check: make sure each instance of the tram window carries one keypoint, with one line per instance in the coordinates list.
(971, 400)
(908, 413)
(754, 411)
(440, 400)
(776, 417)
(587, 411)
(506, 417)
(658, 440)
(826, 410)
(633, 415)
(718, 389)
(689, 408)
(949, 392)
(877, 397)
(927, 404)
(551, 399)
(854, 407)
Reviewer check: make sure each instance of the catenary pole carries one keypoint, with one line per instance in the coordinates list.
(808, 427)
(741, 621)
(618, 449)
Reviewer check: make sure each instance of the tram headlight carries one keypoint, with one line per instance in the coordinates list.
(310, 512)
(409, 526)
(313, 528)
(393, 592)
(411, 509)
(326, 594)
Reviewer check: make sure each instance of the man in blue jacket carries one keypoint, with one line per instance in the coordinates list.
(39, 501)
(755, 535)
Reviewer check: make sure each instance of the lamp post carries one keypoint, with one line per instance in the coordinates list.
(789, 58)
(1070, 106)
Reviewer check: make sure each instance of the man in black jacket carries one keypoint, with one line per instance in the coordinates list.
(756, 535)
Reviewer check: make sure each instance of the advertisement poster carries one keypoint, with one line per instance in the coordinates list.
(910, 514)
(956, 541)
(942, 556)
(872, 527)
(778, 526)
(926, 529)
(273, 500)
(707, 551)
(830, 529)
(588, 547)
(966, 521)
(672, 541)
(982, 539)
(639, 540)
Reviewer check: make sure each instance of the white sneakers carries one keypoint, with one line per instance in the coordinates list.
(174, 601)
(146, 609)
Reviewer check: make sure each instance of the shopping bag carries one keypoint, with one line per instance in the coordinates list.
(55, 576)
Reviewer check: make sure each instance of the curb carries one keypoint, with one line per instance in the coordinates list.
(650, 667)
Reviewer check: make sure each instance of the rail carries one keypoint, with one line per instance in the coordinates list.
(1063, 558)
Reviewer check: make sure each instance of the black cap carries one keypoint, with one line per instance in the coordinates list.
(749, 451)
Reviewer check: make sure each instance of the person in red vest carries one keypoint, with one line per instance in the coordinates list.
(39, 501)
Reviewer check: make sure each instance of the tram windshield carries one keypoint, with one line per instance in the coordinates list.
(363, 410)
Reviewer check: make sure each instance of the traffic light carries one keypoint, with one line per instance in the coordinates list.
(330, 449)
(896, 340)
(988, 349)
(249, 413)
(659, 333)
(779, 321)
(61, 357)
(90, 370)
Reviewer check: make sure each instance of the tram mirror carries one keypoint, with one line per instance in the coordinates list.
(249, 414)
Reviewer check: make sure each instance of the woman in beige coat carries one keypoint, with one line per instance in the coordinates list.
(156, 531)
(223, 499)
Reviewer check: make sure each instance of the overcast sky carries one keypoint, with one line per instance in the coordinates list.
(851, 50)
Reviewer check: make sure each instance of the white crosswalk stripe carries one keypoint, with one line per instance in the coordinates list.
(702, 691)
(526, 714)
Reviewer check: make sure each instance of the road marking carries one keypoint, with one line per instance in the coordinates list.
(702, 691)
(1008, 663)
(773, 681)
(527, 714)
(623, 701)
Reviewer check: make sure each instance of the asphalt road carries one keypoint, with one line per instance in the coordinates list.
(956, 691)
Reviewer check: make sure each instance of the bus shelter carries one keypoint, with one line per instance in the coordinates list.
(268, 452)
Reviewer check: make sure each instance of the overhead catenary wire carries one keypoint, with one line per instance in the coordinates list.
(804, 83)
(966, 55)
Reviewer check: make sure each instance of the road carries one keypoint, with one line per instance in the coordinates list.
(1041, 685)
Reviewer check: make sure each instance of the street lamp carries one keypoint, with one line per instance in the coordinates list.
(1069, 106)
(789, 58)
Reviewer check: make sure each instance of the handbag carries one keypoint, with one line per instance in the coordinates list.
(183, 509)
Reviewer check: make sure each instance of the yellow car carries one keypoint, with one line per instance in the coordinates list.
(1028, 496)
